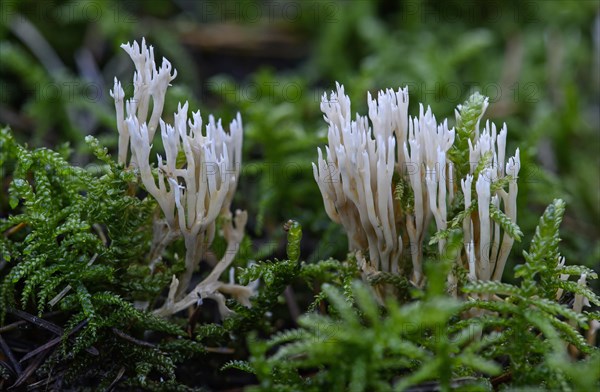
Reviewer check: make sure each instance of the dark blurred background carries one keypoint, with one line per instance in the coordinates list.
(537, 60)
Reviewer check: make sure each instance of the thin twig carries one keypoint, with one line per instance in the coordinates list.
(131, 339)
(8, 352)
(116, 380)
(16, 324)
(67, 288)
(35, 364)
(37, 321)
(50, 326)
(57, 340)
(15, 229)
(219, 350)
(6, 366)
(43, 382)
(46, 346)
(12, 326)
(100, 233)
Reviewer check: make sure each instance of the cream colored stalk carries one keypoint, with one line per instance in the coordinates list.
(416, 220)
(148, 82)
(466, 184)
(560, 264)
(510, 208)
(210, 287)
(491, 146)
(482, 186)
(203, 188)
(362, 164)
(355, 179)
(428, 174)
(193, 195)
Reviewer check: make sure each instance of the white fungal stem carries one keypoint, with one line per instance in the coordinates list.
(211, 287)
(193, 195)
(361, 164)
